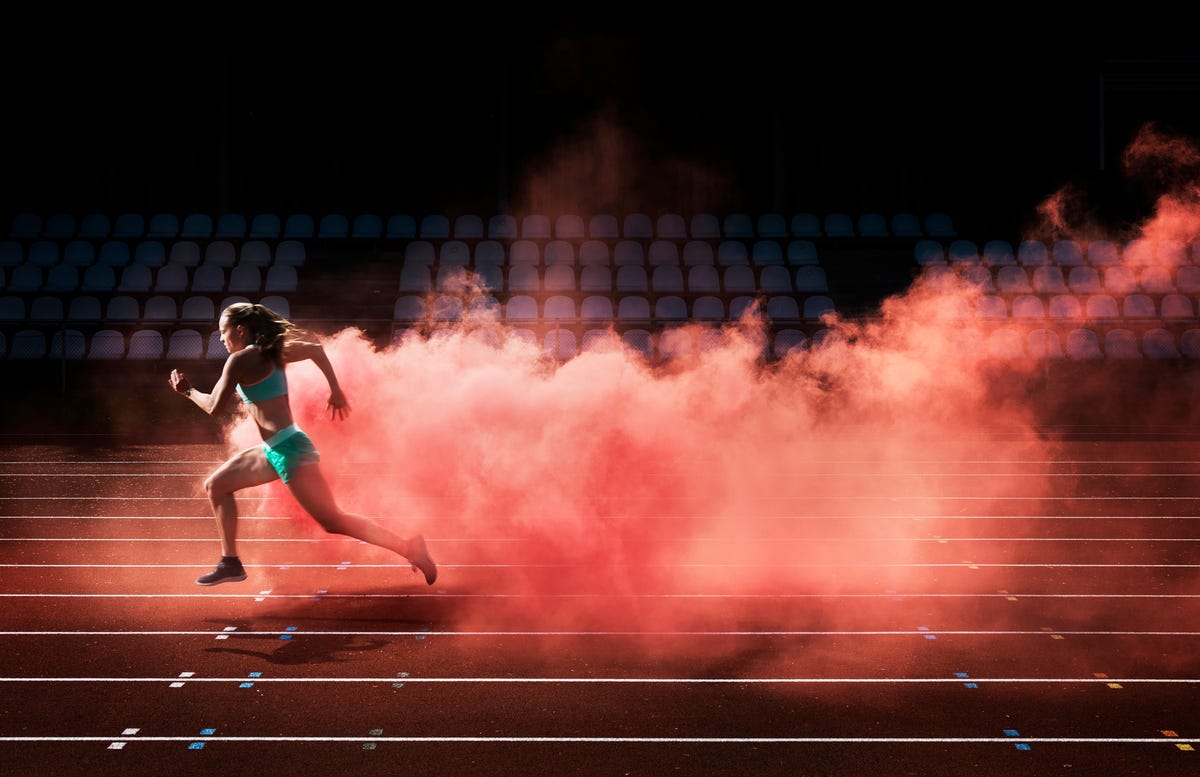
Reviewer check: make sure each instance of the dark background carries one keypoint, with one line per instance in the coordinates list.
(353, 110)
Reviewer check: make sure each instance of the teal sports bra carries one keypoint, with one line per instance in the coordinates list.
(274, 385)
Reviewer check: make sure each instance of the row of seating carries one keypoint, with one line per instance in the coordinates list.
(226, 253)
(1082, 344)
(125, 309)
(1062, 253)
(153, 253)
(628, 278)
(602, 307)
(604, 226)
(1072, 307)
(186, 344)
(1051, 279)
(407, 307)
(1003, 343)
(242, 279)
(112, 344)
(139, 278)
(724, 252)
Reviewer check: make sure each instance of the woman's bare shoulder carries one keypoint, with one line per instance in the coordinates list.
(300, 349)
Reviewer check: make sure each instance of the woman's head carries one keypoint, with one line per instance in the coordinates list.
(244, 323)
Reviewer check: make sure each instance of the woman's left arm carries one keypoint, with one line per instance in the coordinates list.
(300, 350)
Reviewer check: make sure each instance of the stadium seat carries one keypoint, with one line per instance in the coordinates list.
(401, 226)
(467, 226)
(145, 344)
(367, 226)
(698, 252)
(1159, 343)
(806, 225)
(230, 226)
(280, 279)
(838, 225)
(333, 226)
(637, 226)
(536, 226)
(265, 226)
(662, 252)
(196, 226)
(185, 344)
(255, 253)
(129, 226)
(106, 344)
(704, 226)
(27, 344)
(1122, 344)
(59, 226)
(569, 226)
(603, 226)
(299, 226)
(1083, 345)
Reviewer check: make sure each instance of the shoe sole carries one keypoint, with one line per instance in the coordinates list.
(230, 579)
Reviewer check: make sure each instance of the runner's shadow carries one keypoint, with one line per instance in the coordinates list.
(303, 648)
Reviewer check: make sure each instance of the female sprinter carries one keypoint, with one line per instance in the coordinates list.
(260, 342)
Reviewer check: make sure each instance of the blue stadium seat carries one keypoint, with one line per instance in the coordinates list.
(670, 226)
(265, 226)
(299, 226)
(129, 226)
(230, 226)
(196, 226)
(367, 226)
(705, 226)
(434, 226)
(637, 226)
(401, 226)
(333, 226)
(94, 226)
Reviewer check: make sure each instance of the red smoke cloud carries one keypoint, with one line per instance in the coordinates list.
(621, 476)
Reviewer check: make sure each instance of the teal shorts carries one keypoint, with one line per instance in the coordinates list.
(289, 449)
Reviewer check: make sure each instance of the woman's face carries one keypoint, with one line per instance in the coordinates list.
(233, 336)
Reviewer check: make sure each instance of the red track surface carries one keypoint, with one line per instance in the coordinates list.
(1054, 634)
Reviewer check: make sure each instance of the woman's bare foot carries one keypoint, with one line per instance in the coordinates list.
(418, 556)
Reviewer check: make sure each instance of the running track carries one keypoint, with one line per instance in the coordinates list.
(1056, 634)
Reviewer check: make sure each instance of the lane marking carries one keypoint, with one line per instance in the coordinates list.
(814, 517)
(861, 565)
(586, 595)
(665, 497)
(857, 540)
(620, 680)
(621, 740)
(600, 633)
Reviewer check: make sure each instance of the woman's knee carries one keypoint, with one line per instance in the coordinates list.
(330, 521)
(215, 488)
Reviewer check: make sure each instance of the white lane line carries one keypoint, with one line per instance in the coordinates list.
(965, 565)
(602, 633)
(634, 680)
(862, 565)
(1023, 462)
(538, 595)
(618, 740)
(855, 540)
(663, 497)
(815, 517)
(786, 476)
(665, 541)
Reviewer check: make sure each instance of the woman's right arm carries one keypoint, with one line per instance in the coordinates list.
(222, 390)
